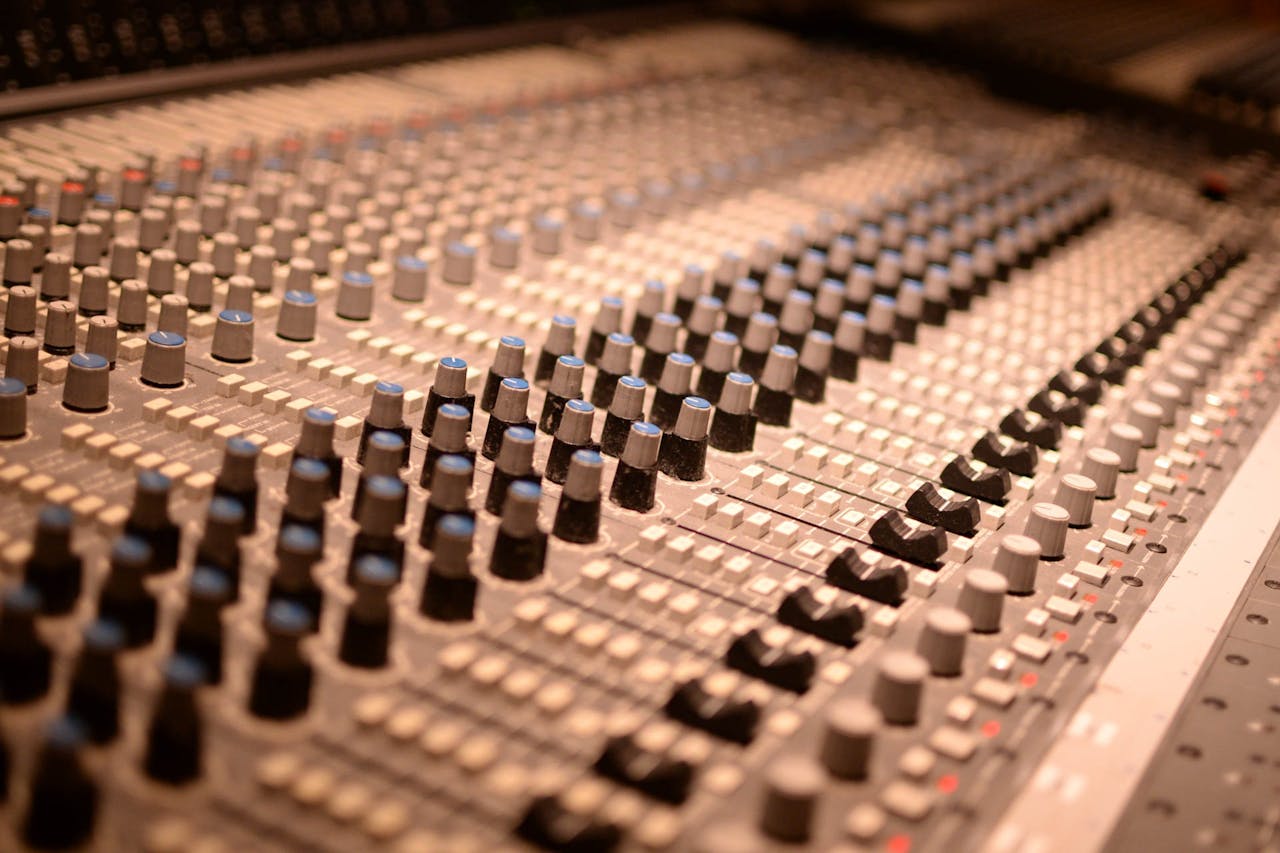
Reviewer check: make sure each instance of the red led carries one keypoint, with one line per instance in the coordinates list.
(1061, 636)
(1165, 504)
(8, 201)
(948, 783)
(1140, 531)
(990, 728)
(135, 175)
(1117, 564)
(898, 844)
(1029, 679)
(1090, 598)
(72, 187)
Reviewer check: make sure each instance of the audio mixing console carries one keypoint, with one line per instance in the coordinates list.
(693, 439)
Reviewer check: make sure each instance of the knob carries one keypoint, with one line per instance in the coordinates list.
(199, 632)
(1102, 466)
(239, 294)
(386, 413)
(20, 313)
(449, 593)
(55, 281)
(63, 800)
(60, 329)
(87, 385)
(578, 512)
(608, 321)
(381, 512)
(131, 308)
(1125, 440)
(450, 386)
(298, 549)
(124, 598)
(355, 296)
(103, 339)
(459, 263)
(25, 660)
(53, 569)
(19, 262)
(793, 784)
(281, 682)
(547, 235)
(982, 596)
(149, 519)
(409, 281)
(93, 696)
(297, 318)
(1076, 493)
(813, 367)
(636, 477)
(233, 337)
(574, 432)
(200, 285)
(519, 548)
(161, 273)
(1047, 525)
(1147, 416)
(164, 361)
(22, 363)
(899, 686)
(366, 631)
(849, 729)
(508, 361)
(673, 385)
(566, 385)
(510, 409)
(238, 478)
(175, 736)
(560, 342)
(942, 640)
(683, 453)
(13, 407)
(773, 401)
(659, 344)
(514, 462)
(757, 339)
(450, 484)
(720, 357)
(625, 408)
(1168, 397)
(733, 426)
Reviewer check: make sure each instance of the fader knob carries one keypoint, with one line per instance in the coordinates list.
(1047, 525)
(849, 732)
(233, 337)
(942, 640)
(87, 385)
(1102, 466)
(793, 784)
(164, 361)
(899, 686)
(13, 408)
(982, 599)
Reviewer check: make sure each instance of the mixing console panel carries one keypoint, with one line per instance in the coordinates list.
(696, 440)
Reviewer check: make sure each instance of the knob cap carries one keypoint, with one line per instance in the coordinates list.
(982, 599)
(164, 361)
(1103, 467)
(1017, 560)
(899, 686)
(87, 386)
(1047, 525)
(233, 337)
(849, 733)
(793, 784)
(942, 640)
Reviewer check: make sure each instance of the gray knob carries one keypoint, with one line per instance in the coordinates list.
(200, 286)
(55, 281)
(20, 313)
(1147, 416)
(1168, 397)
(13, 408)
(459, 263)
(153, 227)
(1103, 467)
(164, 362)
(1125, 440)
(297, 318)
(850, 728)
(233, 337)
(1076, 493)
(173, 314)
(160, 275)
(1187, 377)
(982, 598)
(1047, 524)
(124, 258)
(942, 640)
(131, 310)
(239, 294)
(262, 268)
(186, 241)
(223, 256)
(355, 296)
(504, 249)
(546, 235)
(87, 386)
(410, 280)
(103, 338)
(19, 261)
(1017, 560)
(22, 361)
(87, 244)
(60, 328)
(586, 220)
(793, 784)
(94, 286)
(899, 686)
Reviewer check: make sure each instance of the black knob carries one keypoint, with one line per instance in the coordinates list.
(175, 736)
(63, 803)
(298, 549)
(789, 669)
(508, 362)
(733, 426)
(450, 486)
(124, 598)
(510, 409)
(315, 441)
(985, 482)
(683, 453)
(382, 458)
(238, 478)
(199, 633)
(559, 343)
(565, 385)
(514, 462)
(449, 593)
(381, 513)
(452, 425)
(871, 576)
(281, 682)
(149, 519)
(386, 413)
(626, 407)
(450, 386)
(955, 514)
(519, 547)
(922, 544)
(306, 489)
(54, 570)
(220, 545)
(25, 660)
(366, 631)
(774, 400)
(833, 622)
(726, 717)
(573, 434)
(636, 477)
(93, 697)
(578, 512)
